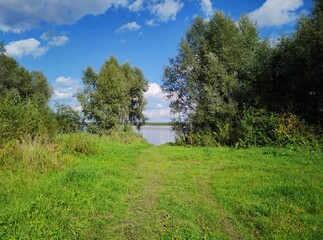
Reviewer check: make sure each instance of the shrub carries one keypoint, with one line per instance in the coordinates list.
(123, 137)
(82, 143)
(21, 118)
(255, 127)
(31, 154)
(291, 130)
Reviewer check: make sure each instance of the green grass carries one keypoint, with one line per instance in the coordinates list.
(115, 190)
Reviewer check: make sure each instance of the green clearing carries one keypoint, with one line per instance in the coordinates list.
(138, 191)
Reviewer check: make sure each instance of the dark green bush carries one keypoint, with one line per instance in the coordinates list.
(25, 118)
(255, 127)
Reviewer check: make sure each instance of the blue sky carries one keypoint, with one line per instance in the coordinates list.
(61, 38)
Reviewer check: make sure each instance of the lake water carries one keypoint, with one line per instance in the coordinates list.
(158, 135)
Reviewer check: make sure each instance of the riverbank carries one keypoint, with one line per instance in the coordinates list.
(103, 189)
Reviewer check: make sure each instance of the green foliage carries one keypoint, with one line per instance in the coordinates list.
(23, 102)
(294, 73)
(31, 154)
(128, 137)
(292, 131)
(68, 119)
(228, 87)
(211, 77)
(24, 118)
(30, 85)
(81, 143)
(256, 128)
(113, 98)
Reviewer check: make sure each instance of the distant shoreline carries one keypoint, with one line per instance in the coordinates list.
(158, 124)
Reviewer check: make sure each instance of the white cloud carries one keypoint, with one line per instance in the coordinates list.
(20, 15)
(58, 41)
(61, 95)
(136, 6)
(65, 89)
(276, 12)
(154, 91)
(151, 23)
(207, 8)
(132, 26)
(26, 47)
(66, 80)
(167, 10)
(157, 109)
(53, 39)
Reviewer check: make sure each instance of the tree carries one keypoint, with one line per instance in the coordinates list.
(28, 84)
(113, 98)
(24, 99)
(211, 78)
(68, 119)
(296, 71)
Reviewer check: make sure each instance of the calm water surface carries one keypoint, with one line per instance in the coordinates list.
(158, 135)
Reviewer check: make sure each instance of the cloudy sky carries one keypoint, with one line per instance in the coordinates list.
(62, 37)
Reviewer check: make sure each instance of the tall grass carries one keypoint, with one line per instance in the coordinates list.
(31, 154)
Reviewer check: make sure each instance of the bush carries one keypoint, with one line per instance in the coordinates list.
(25, 118)
(31, 154)
(123, 137)
(81, 143)
(292, 131)
(256, 127)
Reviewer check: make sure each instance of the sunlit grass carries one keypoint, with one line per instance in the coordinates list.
(137, 191)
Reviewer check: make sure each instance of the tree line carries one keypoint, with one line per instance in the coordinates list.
(111, 100)
(226, 86)
(229, 86)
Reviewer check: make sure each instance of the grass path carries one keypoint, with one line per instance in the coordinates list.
(143, 220)
(139, 191)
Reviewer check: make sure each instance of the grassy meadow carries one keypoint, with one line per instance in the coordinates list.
(86, 187)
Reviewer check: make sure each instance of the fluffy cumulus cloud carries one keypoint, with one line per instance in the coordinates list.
(26, 47)
(275, 13)
(157, 109)
(65, 89)
(20, 15)
(132, 26)
(167, 9)
(33, 47)
(206, 6)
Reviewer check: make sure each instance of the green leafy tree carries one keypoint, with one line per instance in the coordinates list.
(294, 83)
(68, 119)
(24, 96)
(113, 98)
(211, 78)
